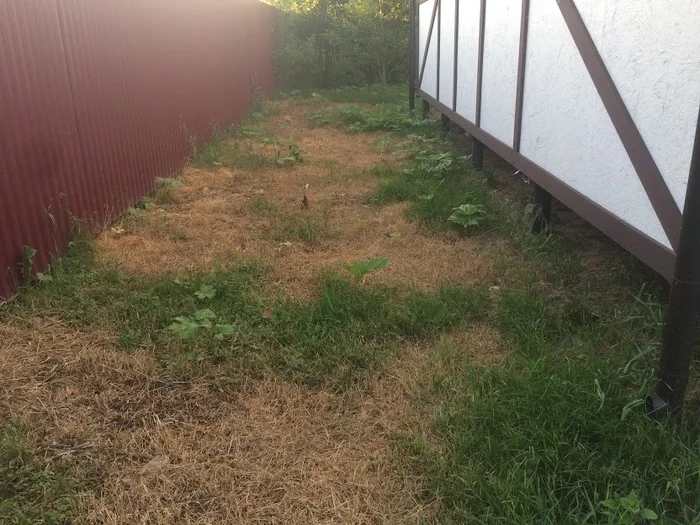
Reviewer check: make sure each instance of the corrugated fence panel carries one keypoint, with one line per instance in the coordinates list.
(97, 99)
(42, 180)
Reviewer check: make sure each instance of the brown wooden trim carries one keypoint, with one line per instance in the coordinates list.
(654, 184)
(456, 58)
(630, 238)
(427, 44)
(416, 40)
(439, 47)
(480, 66)
(412, 23)
(522, 57)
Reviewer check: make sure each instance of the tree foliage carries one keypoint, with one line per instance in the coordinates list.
(330, 43)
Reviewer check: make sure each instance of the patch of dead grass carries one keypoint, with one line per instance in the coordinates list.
(216, 225)
(153, 450)
(479, 345)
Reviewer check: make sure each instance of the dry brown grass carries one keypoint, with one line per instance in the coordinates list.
(154, 450)
(150, 448)
(213, 221)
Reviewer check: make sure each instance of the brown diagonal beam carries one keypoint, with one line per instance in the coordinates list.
(439, 46)
(520, 93)
(456, 58)
(660, 196)
(427, 44)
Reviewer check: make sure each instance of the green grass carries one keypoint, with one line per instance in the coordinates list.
(263, 207)
(547, 442)
(435, 179)
(374, 94)
(382, 117)
(288, 226)
(560, 428)
(331, 341)
(300, 227)
(226, 151)
(32, 489)
(308, 230)
(557, 434)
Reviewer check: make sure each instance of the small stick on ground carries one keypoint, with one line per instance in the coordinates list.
(305, 200)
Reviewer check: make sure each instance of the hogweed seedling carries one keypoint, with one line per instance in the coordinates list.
(468, 215)
(44, 277)
(191, 328)
(627, 510)
(274, 143)
(27, 263)
(206, 291)
(359, 269)
(172, 183)
(191, 138)
(294, 154)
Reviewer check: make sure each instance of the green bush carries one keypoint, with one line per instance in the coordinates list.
(331, 43)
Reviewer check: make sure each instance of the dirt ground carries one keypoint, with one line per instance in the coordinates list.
(216, 220)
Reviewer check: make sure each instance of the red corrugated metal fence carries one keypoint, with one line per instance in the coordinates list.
(95, 98)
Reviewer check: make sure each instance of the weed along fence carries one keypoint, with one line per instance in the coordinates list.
(596, 104)
(98, 99)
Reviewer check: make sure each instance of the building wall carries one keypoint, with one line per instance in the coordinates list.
(651, 51)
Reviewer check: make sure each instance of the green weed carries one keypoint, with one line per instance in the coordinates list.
(436, 184)
(359, 269)
(627, 510)
(467, 215)
(284, 154)
(226, 151)
(163, 194)
(191, 328)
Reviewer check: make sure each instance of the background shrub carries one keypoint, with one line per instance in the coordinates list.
(332, 43)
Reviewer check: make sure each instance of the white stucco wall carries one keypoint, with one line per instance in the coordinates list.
(501, 44)
(566, 129)
(468, 57)
(447, 53)
(652, 51)
(425, 13)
